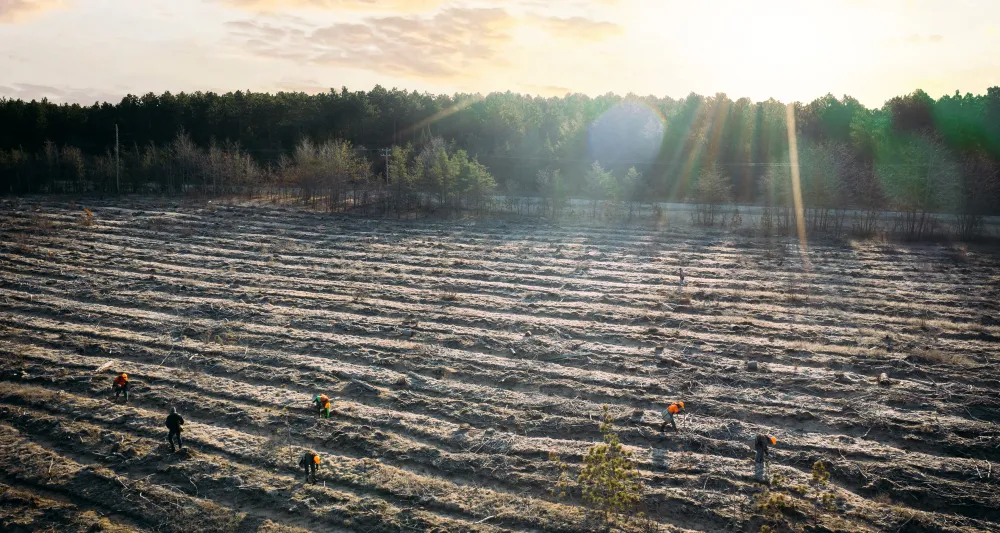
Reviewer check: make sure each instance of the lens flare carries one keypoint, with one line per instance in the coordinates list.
(627, 134)
(793, 161)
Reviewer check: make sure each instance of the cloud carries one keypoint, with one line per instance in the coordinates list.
(405, 6)
(18, 10)
(580, 28)
(30, 91)
(296, 85)
(912, 39)
(548, 90)
(917, 38)
(454, 44)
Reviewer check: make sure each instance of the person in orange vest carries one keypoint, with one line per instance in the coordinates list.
(121, 385)
(310, 463)
(668, 415)
(322, 403)
(760, 447)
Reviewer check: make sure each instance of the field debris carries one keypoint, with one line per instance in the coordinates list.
(472, 372)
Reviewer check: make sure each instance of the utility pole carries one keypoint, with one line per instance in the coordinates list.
(118, 183)
(386, 152)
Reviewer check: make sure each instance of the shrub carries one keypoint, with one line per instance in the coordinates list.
(565, 483)
(712, 190)
(775, 504)
(21, 244)
(829, 501)
(609, 478)
(87, 219)
(799, 489)
(736, 219)
(820, 475)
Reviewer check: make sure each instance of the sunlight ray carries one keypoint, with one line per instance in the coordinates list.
(793, 160)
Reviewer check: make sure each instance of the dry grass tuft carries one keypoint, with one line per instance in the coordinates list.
(904, 519)
(933, 356)
(40, 224)
(20, 244)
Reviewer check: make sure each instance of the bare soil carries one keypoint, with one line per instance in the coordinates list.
(461, 354)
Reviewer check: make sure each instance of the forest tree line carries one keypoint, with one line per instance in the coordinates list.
(403, 151)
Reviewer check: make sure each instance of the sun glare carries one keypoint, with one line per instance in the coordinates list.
(782, 49)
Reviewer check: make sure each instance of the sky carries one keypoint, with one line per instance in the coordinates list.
(792, 50)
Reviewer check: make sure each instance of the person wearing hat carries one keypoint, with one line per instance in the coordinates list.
(174, 423)
(668, 415)
(760, 446)
(120, 385)
(310, 463)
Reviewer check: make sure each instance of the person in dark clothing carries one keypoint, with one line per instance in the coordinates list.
(121, 385)
(174, 423)
(310, 463)
(760, 446)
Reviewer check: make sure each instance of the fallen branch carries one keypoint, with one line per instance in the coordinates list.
(160, 507)
(168, 355)
(367, 387)
(568, 356)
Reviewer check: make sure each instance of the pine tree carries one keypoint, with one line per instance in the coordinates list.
(609, 478)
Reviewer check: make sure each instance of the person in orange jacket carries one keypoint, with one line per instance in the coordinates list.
(121, 385)
(668, 415)
(310, 463)
(322, 403)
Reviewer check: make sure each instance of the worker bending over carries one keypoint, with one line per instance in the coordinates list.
(760, 446)
(322, 403)
(668, 415)
(310, 463)
(121, 385)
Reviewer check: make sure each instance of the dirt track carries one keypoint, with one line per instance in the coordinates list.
(462, 354)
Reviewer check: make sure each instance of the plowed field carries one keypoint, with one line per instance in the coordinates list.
(462, 354)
